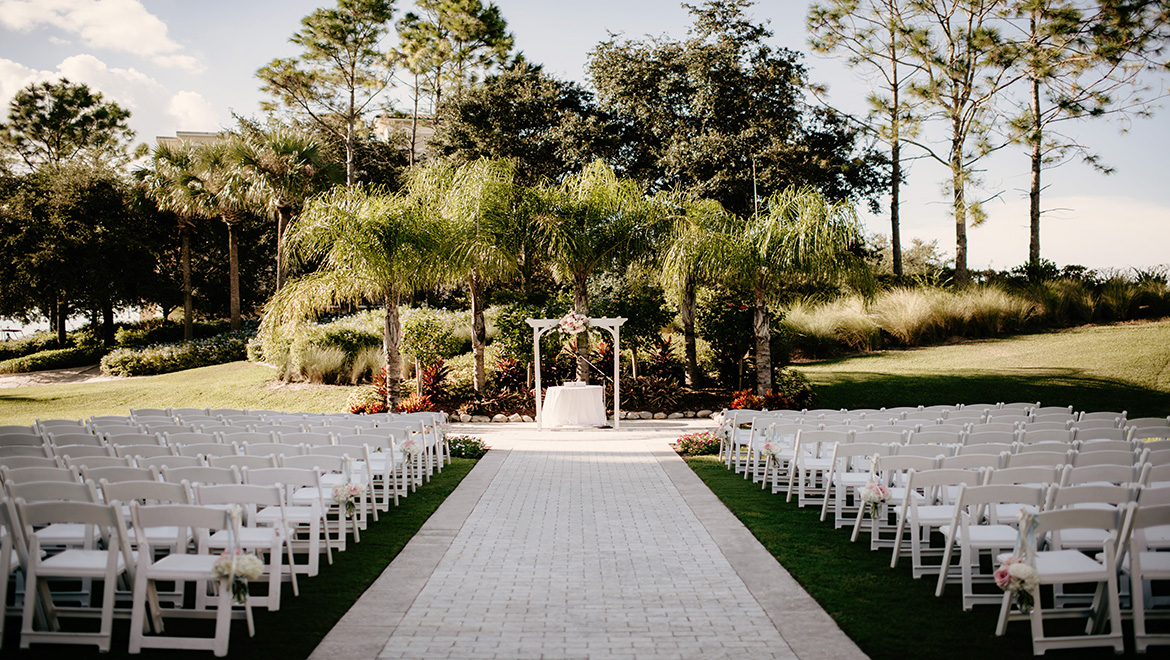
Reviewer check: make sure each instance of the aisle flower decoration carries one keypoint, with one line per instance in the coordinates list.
(773, 450)
(412, 448)
(1020, 578)
(875, 494)
(573, 323)
(238, 567)
(345, 493)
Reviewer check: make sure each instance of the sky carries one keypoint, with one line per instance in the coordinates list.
(182, 65)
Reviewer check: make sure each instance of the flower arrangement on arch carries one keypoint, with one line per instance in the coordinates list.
(1019, 577)
(345, 493)
(238, 567)
(875, 495)
(573, 323)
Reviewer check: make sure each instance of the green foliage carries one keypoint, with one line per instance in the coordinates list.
(58, 358)
(428, 335)
(347, 349)
(513, 332)
(34, 343)
(165, 358)
(654, 393)
(50, 123)
(793, 391)
(365, 399)
(703, 443)
(467, 446)
(144, 334)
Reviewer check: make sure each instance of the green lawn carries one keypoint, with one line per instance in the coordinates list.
(1117, 367)
(234, 385)
(888, 613)
(303, 621)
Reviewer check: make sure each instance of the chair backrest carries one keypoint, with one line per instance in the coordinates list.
(270, 449)
(130, 438)
(201, 521)
(858, 456)
(987, 448)
(929, 451)
(1117, 417)
(1106, 445)
(244, 494)
(1106, 458)
(970, 462)
(52, 491)
(290, 479)
(1053, 410)
(168, 461)
(1101, 474)
(1026, 406)
(1045, 475)
(247, 436)
(150, 412)
(1008, 416)
(210, 449)
(168, 428)
(1046, 435)
(81, 451)
(321, 462)
(1057, 447)
(1148, 433)
(105, 521)
(1136, 423)
(81, 462)
(998, 427)
(220, 429)
(979, 501)
(1044, 426)
(983, 437)
(1071, 496)
(1091, 435)
(338, 452)
(24, 450)
(265, 461)
(302, 438)
(1050, 523)
(880, 435)
(200, 475)
(222, 412)
(272, 429)
(931, 436)
(22, 438)
(117, 473)
(182, 412)
(43, 461)
(190, 438)
(142, 451)
(892, 470)
(1038, 458)
(1144, 517)
(934, 485)
(145, 492)
(79, 439)
(60, 425)
(26, 474)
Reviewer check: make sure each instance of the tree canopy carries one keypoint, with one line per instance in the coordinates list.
(53, 122)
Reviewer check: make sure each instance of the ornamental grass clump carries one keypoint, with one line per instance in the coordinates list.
(832, 328)
(697, 444)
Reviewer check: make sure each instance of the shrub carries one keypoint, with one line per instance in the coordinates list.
(59, 358)
(791, 390)
(703, 443)
(161, 331)
(366, 364)
(662, 362)
(651, 393)
(365, 399)
(428, 335)
(322, 364)
(34, 343)
(417, 403)
(467, 446)
(832, 328)
(227, 347)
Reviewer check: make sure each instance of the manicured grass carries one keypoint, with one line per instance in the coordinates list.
(303, 621)
(233, 385)
(885, 611)
(1116, 367)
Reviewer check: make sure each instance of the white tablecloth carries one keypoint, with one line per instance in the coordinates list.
(573, 406)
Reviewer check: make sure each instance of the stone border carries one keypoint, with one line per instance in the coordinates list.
(516, 417)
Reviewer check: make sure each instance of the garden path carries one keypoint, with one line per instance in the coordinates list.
(584, 544)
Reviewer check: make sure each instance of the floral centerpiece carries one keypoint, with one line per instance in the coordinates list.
(1018, 577)
(875, 494)
(238, 567)
(345, 493)
(573, 323)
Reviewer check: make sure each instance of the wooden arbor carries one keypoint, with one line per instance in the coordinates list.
(542, 326)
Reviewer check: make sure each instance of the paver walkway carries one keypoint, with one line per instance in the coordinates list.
(598, 545)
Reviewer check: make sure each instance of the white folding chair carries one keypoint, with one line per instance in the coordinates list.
(891, 472)
(808, 478)
(929, 504)
(1146, 561)
(304, 510)
(852, 465)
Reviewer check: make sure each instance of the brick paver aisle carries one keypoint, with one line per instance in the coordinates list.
(593, 545)
(580, 550)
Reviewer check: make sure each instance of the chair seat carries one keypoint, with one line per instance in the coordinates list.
(988, 536)
(183, 567)
(78, 563)
(293, 514)
(1056, 566)
(1155, 565)
(248, 536)
(935, 514)
(1083, 538)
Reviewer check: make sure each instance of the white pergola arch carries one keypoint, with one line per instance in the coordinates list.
(542, 326)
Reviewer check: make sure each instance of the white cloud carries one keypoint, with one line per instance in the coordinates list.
(193, 112)
(119, 25)
(14, 76)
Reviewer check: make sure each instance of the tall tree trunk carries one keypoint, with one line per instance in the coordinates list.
(108, 322)
(1034, 189)
(350, 145)
(478, 329)
(686, 312)
(895, 154)
(233, 273)
(62, 316)
(581, 305)
(188, 306)
(283, 216)
(958, 183)
(392, 347)
(763, 333)
(414, 122)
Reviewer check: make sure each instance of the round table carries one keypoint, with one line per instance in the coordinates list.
(573, 405)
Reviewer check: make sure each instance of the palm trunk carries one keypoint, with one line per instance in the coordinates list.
(283, 216)
(414, 122)
(62, 315)
(895, 157)
(350, 146)
(392, 347)
(581, 305)
(478, 329)
(686, 311)
(763, 333)
(188, 305)
(233, 273)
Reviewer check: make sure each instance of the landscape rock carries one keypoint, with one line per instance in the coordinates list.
(689, 414)
(675, 415)
(527, 418)
(465, 418)
(499, 418)
(703, 414)
(659, 415)
(646, 415)
(480, 419)
(515, 417)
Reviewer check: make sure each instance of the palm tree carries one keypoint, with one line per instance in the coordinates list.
(172, 184)
(590, 220)
(682, 267)
(223, 191)
(801, 235)
(370, 246)
(285, 167)
(477, 202)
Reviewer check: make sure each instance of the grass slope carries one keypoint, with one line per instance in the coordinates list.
(888, 613)
(1117, 367)
(233, 385)
(303, 621)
